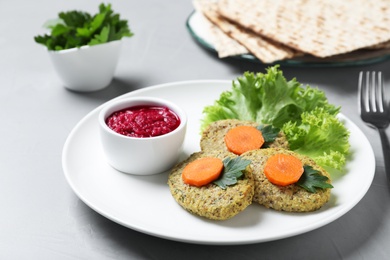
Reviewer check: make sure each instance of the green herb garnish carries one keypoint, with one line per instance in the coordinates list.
(312, 179)
(269, 134)
(76, 28)
(232, 171)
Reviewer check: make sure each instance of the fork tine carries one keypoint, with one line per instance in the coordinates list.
(380, 93)
(372, 89)
(360, 92)
(363, 92)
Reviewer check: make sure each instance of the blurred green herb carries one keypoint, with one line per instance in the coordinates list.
(269, 133)
(76, 28)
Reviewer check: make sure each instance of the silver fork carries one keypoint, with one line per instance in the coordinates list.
(374, 110)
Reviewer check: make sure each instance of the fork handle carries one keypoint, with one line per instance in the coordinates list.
(386, 151)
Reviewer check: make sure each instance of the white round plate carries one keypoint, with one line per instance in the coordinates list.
(145, 204)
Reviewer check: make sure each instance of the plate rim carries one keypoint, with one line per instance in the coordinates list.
(314, 226)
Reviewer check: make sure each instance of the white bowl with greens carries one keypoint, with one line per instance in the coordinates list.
(85, 49)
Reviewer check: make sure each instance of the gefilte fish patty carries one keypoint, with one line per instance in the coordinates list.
(213, 136)
(211, 201)
(290, 198)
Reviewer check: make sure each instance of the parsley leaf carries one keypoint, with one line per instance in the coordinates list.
(102, 37)
(312, 179)
(76, 28)
(232, 171)
(269, 134)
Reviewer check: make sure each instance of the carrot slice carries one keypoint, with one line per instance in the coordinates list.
(241, 139)
(283, 169)
(202, 171)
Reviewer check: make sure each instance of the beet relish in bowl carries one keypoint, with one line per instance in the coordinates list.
(143, 121)
(142, 135)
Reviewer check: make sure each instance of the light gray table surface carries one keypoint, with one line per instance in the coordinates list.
(42, 218)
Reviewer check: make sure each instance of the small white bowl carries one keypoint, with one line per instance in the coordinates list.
(88, 68)
(141, 156)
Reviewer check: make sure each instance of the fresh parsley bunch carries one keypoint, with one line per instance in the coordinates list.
(75, 29)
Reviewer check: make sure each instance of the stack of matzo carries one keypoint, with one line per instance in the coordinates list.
(274, 30)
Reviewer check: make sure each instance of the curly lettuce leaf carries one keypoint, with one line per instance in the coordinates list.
(267, 99)
(321, 136)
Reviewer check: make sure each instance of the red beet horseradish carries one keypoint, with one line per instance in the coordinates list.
(143, 121)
